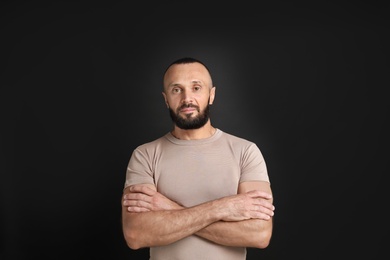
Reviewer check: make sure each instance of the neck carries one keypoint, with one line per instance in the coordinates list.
(205, 131)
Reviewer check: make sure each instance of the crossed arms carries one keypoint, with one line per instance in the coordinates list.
(151, 219)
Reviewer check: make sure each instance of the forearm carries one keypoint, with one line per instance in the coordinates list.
(157, 228)
(246, 233)
(151, 219)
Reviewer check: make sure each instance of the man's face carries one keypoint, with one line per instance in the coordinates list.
(188, 93)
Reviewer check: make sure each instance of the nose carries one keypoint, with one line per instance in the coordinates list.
(186, 97)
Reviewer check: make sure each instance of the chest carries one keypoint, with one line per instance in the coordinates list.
(193, 176)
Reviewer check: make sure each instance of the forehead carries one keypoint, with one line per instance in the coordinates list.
(185, 73)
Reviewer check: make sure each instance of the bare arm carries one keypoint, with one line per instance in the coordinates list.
(150, 219)
(156, 228)
(248, 233)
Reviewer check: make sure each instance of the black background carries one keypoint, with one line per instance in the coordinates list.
(81, 88)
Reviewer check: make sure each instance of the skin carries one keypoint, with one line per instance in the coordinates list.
(151, 219)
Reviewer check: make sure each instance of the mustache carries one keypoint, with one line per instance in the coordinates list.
(188, 105)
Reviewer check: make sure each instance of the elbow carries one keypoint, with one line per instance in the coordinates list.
(131, 240)
(132, 234)
(263, 239)
(264, 242)
(133, 245)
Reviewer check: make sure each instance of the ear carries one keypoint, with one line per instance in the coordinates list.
(212, 95)
(165, 99)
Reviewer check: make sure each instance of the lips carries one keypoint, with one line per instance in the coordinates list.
(188, 108)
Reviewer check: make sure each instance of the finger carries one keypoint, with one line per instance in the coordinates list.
(265, 204)
(138, 196)
(137, 209)
(142, 189)
(137, 203)
(264, 210)
(260, 212)
(260, 194)
(260, 215)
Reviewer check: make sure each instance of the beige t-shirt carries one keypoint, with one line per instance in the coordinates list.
(191, 172)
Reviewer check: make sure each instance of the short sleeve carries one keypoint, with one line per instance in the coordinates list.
(253, 166)
(139, 169)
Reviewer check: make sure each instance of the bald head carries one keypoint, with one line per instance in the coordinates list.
(189, 73)
(188, 69)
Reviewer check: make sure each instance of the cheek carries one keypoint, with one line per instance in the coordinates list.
(172, 102)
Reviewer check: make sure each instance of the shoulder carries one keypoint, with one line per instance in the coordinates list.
(238, 143)
(152, 145)
(236, 139)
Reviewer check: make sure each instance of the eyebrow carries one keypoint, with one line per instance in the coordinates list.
(177, 84)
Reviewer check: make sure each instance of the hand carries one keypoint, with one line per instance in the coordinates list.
(253, 204)
(142, 198)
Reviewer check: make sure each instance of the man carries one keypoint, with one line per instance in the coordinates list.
(196, 192)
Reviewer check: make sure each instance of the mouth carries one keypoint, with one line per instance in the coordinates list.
(188, 109)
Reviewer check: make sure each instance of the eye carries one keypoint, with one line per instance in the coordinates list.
(176, 90)
(197, 88)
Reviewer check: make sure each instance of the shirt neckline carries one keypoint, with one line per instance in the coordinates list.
(210, 139)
